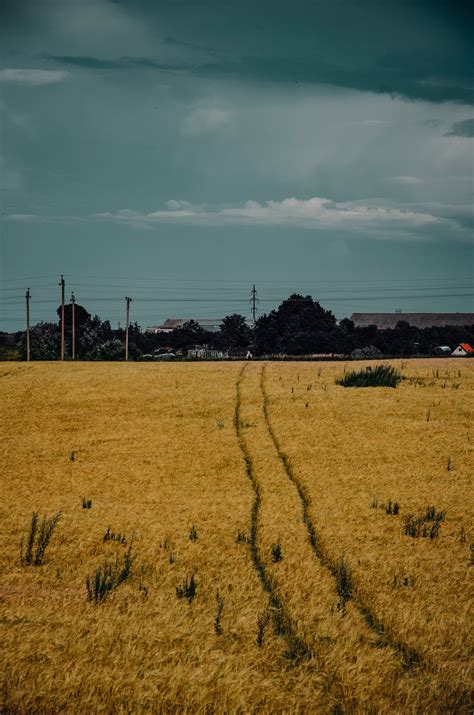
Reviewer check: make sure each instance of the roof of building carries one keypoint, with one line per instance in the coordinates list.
(466, 347)
(384, 321)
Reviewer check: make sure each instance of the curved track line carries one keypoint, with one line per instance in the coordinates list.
(410, 657)
(281, 619)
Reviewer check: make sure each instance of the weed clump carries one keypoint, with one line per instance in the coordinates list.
(193, 535)
(426, 526)
(392, 508)
(241, 537)
(262, 622)
(380, 376)
(86, 503)
(108, 577)
(187, 589)
(111, 536)
(218, 616)
(39, 535)
(277, 552)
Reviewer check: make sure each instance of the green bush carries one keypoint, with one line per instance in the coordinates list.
(380, 376)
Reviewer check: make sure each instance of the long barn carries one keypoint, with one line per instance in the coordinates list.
(385, 321)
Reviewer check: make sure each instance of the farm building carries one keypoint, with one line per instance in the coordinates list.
(211, 324)
(386, 321)
(463, 350)
(442, 350)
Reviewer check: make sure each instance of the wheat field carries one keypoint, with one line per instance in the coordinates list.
(327, 533)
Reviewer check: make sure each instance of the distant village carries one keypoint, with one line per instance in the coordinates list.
(300, 327)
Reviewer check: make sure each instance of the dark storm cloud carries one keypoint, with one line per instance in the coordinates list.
(417, 49)
(118, 63)
(461, 129)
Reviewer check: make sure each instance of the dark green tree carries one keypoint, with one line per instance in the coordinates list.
(235, 333)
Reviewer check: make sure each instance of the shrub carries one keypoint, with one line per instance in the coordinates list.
(108, 577)
(38, 539)
(380, 376)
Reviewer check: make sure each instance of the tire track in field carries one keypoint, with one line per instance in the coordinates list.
(283, 624)
(409, 656)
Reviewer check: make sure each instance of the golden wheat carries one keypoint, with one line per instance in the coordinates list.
(279, 454)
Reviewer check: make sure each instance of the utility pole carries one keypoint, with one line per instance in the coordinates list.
(73, 309)
(127, 317)
(254, 301)
(28, 296)
(62, 284)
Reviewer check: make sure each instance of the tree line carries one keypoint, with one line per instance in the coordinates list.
(299, 326)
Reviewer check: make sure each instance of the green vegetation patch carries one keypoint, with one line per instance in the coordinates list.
(380, 376)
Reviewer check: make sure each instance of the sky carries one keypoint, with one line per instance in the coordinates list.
(181, 151)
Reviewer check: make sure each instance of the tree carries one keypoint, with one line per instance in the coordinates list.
(45, 339)
(81, 316)
(234, 333)
(190, 333)
(298, 326)
(111, 350)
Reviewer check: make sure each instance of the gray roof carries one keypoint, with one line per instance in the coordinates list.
(384, 321)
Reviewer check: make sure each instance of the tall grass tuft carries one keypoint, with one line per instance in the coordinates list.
(38, 538)
(380, 376)
(108, 577)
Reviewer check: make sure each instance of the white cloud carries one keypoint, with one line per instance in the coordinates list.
(408, 180)
(33, 78)
(310, 213)
(202, 120)
(376, 122)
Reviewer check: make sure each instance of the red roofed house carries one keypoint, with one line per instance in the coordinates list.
(462, 350)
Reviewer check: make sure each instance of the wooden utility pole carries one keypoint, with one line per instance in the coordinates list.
(28, 296)
(73, 310)
(62, 284)
(127, 319)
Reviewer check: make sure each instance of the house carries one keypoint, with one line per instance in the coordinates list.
(386, 321)
(463, 350)
(203, 351)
